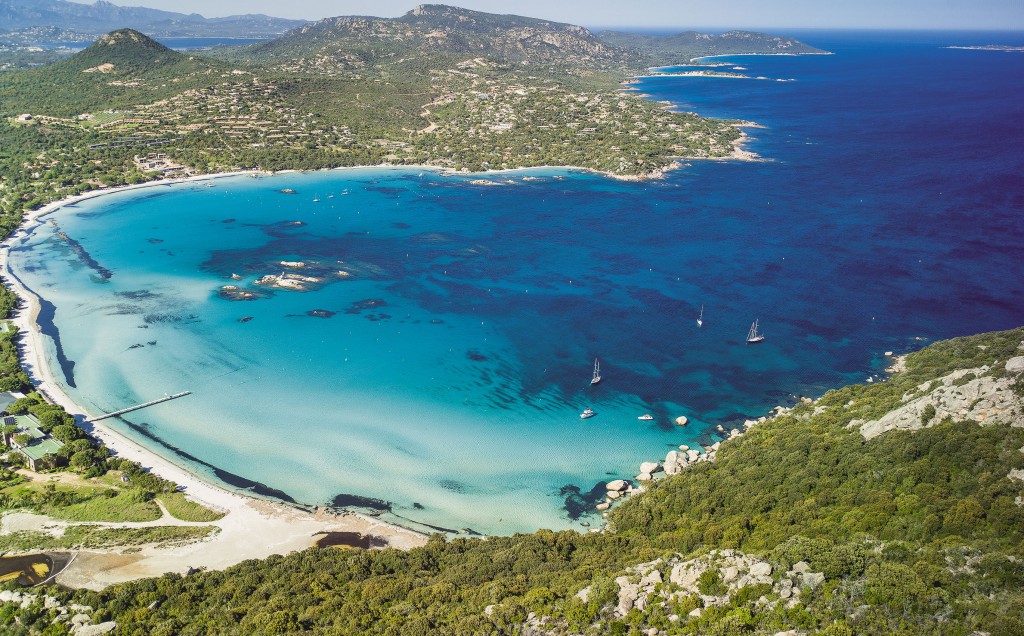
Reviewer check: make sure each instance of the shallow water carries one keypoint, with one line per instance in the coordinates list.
(443, 377)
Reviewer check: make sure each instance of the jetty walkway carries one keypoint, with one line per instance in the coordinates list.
(140, 406)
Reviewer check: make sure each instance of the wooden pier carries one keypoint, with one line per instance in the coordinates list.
(165, 398)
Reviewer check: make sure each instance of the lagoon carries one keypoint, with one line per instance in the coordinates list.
(442, 377)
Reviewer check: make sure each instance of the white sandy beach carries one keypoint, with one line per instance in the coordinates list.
(251, 529)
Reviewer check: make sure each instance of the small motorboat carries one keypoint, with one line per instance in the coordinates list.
(587, 412)
(647, 417)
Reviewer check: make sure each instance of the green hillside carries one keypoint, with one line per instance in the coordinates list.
(121, 68)
(444, 87)
(800, 524)
(436, 35)
(682, 48)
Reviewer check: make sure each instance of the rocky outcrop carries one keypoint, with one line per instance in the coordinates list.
(666, 582)
(1017, 475)
(965, 394)
(76, 618)
(676, 461)
(647, 470)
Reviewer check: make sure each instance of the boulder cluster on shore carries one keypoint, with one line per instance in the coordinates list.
(950, 396)
(677, 460)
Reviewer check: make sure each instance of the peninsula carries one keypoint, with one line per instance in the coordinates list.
(440, 86)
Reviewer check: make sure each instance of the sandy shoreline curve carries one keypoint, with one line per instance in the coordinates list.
(252, 528)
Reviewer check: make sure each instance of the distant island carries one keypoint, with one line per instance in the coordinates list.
(988, 47)
(683, 48)
(34, 21)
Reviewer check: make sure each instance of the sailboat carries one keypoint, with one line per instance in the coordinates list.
(700, 318)
(753, 337)
(597, 372)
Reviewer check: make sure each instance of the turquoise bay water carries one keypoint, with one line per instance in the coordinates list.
(455, 397)
(444, 377)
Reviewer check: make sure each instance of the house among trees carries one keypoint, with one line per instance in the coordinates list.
(22, 434)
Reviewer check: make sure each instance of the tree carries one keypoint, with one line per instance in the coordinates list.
(21, 405)
(51, 415)
(67, 433)
(82, 460)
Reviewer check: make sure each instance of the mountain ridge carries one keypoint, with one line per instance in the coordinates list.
(362, 41)
(103, 17)
(344, 44)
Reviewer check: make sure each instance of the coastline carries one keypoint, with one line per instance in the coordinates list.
(711, 57)
(252, 528)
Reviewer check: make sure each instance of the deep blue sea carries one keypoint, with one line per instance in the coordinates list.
(443, 374)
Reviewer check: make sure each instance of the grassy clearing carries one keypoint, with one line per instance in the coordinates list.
(185, 509)
(86, 537)
(26, 540)
(38, 488)
(76, 499)
(125, 505)
(162, 536)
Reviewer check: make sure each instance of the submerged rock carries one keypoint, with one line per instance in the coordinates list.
(232, 292)
(360, 306)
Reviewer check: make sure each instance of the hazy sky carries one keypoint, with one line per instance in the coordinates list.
(896, 14)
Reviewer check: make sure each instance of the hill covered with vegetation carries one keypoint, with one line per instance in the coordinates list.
(441, 86)
(432, 33)
(682, 48)
(121, 68)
